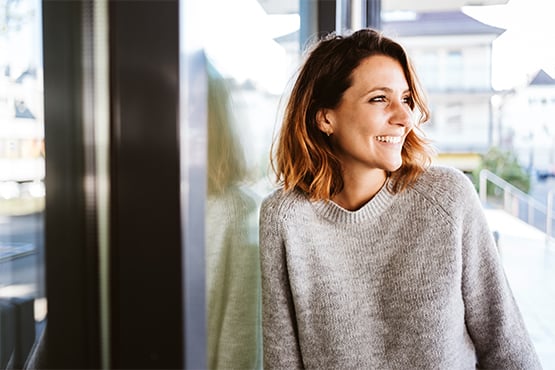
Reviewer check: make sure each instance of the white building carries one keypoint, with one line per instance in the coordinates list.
(527, 123)
(452, 53)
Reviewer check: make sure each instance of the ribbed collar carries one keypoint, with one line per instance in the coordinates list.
(375, 207)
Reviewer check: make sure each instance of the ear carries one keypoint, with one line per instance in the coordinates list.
(323, 122)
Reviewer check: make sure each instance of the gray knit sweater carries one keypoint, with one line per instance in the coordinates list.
(409, 281)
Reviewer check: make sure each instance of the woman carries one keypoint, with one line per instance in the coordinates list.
(371, 258)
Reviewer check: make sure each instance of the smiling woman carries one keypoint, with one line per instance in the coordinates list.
(341, 75)
(370, 257)
(369, 125)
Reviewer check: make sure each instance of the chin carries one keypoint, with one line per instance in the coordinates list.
(394, 166)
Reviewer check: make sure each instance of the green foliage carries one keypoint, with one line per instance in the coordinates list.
(505, 165)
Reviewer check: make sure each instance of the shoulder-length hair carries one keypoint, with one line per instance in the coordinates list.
(303, 157)
(226, 166)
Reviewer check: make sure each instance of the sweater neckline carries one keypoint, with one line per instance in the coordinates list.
(373, 208)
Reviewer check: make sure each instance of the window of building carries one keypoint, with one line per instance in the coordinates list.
(427, 64)
(454, 69)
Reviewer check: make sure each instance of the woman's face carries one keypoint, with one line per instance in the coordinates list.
(372, 119)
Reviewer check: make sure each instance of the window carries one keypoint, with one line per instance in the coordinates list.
(22, 291)
(427, 65)
(454, 117)
(454, 69)
(247, 74)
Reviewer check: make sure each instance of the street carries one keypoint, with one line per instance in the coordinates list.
(22, 255)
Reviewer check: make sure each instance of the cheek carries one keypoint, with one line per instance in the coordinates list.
(356, 125)
(356, 134)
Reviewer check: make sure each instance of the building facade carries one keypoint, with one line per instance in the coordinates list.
(527, 125)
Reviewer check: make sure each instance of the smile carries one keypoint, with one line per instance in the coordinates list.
(389, 139)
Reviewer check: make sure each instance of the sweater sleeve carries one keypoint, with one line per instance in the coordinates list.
(280, 340)
(492, 317)
(233, 285)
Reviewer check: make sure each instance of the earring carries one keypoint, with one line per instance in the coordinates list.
(328, 133)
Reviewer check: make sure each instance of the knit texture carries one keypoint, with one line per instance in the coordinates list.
(409, 281)
(232, 282)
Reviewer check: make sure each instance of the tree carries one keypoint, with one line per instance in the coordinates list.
(505, 165)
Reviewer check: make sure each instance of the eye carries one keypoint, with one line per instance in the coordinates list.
(408, 100)
(378, 99)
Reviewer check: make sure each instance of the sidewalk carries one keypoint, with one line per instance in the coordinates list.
(530, 267)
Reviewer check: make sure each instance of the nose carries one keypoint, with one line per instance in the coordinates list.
(401, 114)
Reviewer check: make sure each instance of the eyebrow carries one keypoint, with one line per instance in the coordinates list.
(386, 89)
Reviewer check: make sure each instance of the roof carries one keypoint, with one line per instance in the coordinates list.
(437, 24)
(542, 78)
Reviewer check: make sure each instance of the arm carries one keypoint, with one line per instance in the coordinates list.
(492, 317)
(280, 340)
(233, 285)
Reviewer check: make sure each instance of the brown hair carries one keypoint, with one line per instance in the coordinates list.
(304, 158)
(226, 162)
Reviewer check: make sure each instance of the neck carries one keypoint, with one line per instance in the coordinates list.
(358, 190)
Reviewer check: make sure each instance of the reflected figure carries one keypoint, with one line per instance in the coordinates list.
(232, 259)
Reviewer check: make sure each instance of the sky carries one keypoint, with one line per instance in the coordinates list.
(527, 45)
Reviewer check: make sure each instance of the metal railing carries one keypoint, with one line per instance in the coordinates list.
(549, 215)
(513, 200)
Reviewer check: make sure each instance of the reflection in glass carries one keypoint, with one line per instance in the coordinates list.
(22, 293)
(233, 277)
(253, 49)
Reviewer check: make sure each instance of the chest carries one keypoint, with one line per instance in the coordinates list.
(396, 265)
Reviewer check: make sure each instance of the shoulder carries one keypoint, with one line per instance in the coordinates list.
(440, 180)
(235, 196)
(444, 175)
(278, 213)
(281, 203)
(447, 188)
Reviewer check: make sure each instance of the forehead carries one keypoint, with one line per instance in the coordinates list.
(379, 69)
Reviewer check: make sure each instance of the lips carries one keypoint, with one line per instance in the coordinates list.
(389, 139)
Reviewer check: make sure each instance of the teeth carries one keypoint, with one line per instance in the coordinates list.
(389, 139)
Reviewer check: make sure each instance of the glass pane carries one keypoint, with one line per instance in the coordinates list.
(248, 72)
(22, 289)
